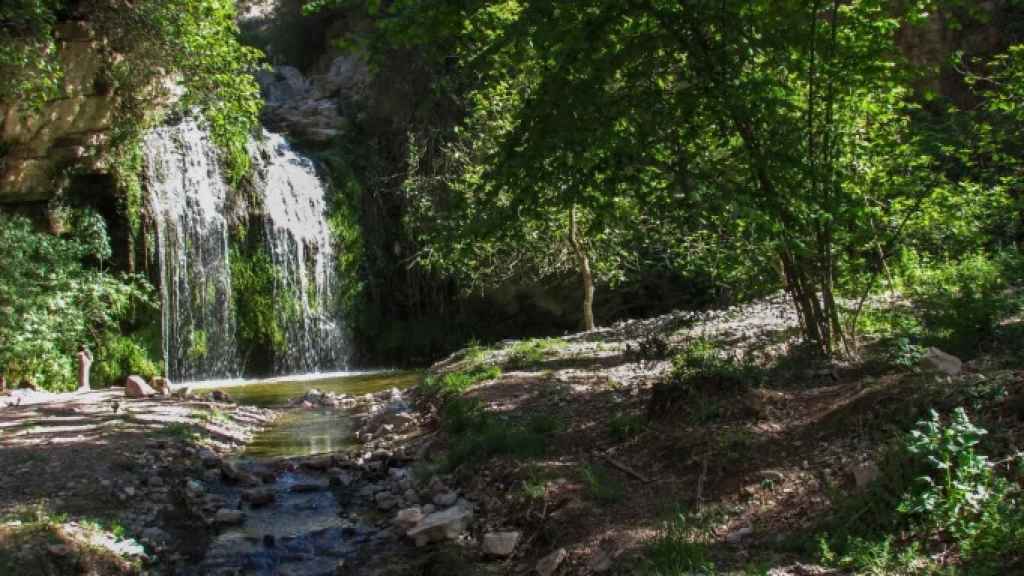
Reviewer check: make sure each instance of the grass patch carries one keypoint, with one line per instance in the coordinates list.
(475, 355)
(491, 439)
(26, 538)
(535, 486)
(477, 435)
(682, 548)
(529, 353)
(179, 431)
(214, 416)
(455, 383)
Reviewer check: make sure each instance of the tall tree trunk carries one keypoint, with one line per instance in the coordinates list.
(586, 276)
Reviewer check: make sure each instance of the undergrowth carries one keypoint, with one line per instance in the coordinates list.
(455, 383)
(936, 491)
(704, 385)
(682, 547)
(476, 435)
(529, 353)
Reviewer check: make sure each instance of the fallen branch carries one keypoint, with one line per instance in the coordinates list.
(618, 464)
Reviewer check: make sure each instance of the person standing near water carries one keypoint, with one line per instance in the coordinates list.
(84, 365)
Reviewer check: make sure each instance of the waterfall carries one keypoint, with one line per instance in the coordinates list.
(188, 198)
(299, 239)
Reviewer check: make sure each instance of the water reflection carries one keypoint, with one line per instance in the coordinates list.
(305, 432)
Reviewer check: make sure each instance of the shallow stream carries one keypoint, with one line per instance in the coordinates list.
(310, 526)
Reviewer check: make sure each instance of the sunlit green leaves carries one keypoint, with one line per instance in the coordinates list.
(51, 301)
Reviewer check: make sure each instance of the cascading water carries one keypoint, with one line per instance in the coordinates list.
(300, 244)
(188, 196)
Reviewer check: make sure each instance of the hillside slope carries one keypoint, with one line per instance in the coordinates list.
(701, 443)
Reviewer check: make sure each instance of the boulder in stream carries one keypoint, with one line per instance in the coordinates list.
(228, 517)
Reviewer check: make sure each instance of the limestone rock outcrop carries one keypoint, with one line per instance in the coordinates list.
(312, 109)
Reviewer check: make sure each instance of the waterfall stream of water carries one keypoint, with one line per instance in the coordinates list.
(187, 196)
(188, 200)
(299, 239)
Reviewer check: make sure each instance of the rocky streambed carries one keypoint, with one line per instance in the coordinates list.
(304, 498)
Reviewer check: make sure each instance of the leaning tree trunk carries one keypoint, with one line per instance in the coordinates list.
(586, 275)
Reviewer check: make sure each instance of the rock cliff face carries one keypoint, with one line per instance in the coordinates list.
(313, 109)
(35, 145)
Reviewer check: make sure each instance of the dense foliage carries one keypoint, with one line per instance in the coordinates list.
(143, 46)
(759, 144)
(55, 295)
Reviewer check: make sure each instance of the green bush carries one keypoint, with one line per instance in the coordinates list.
(961, 303)
(961, 497)
(935, 486)
(123, 356)
(53, 299)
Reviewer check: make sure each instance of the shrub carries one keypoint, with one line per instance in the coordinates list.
(950, 492)
(905, 354)
(652, 347)
(123, 356)
(961, 303)
(961, 497)
(52, 298)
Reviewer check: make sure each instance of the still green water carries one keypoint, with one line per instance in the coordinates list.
(280, 391)
(302, 432)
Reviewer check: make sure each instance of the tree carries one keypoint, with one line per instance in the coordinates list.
(143, 44)
(55, 296)
(783, 124)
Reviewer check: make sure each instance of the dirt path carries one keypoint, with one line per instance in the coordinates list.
(113, 461)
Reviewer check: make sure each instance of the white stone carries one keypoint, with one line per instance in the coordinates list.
(500, 544)
(547, 565)
(228, 517)
(408, 518)
(445, 525)
(136, 387)
(937, 361)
